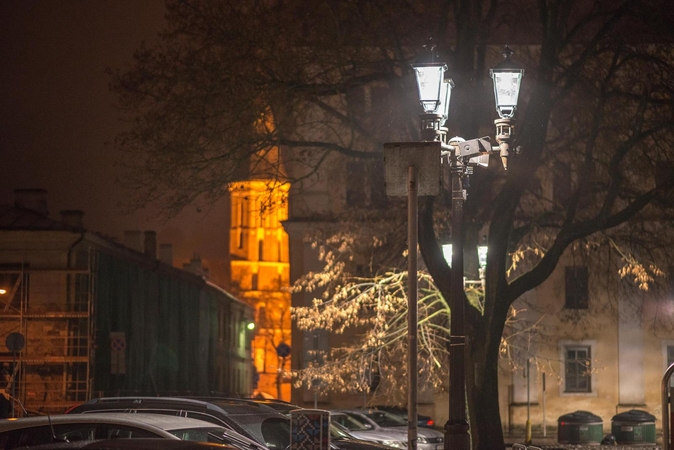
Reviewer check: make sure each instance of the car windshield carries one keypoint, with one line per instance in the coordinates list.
(384, 419)
(260, 422)
(337, 432)
(349, 422)
(213, 434)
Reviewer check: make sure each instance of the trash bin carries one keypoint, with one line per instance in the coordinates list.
(580, 427)
(633, 427)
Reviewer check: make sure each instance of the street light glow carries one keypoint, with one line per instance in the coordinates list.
(430, 75)
(507, 77)
(430, 78)
(445, 96)
(482, 255)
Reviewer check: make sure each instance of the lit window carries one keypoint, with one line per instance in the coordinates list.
(578, 369)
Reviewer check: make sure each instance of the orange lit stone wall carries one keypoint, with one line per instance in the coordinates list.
(261, 275)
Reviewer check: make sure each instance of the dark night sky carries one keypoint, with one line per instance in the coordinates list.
(56, 114)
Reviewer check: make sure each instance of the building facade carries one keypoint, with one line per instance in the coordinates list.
(595, 344)
(100, 318)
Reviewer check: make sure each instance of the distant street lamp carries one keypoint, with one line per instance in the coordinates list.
(418, 158)
(481, 260)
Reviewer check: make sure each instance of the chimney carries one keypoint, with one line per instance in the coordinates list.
(196, 267)
(166, 254)
(31, 199)
(134, 240)
(73, 217)
(151, 244)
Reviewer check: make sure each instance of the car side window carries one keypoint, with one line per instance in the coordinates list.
(276, 433)
(339, 419)
(105, 431)
(34, 436)
(74, 431)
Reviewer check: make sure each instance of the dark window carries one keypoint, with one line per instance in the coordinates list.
(260, 250)
(262, 317)
(576, 287)
(561, 184)
(81, 292)
(355, 183)
(578, 369)
(355, 102)
(365, 184)
(378, 197)
(663, 173)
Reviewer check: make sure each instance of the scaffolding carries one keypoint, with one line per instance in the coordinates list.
(52, 309)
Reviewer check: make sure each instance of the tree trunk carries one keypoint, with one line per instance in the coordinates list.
(482, 383)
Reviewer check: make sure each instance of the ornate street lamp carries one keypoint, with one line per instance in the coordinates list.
(463, 156)
(412, 169)
(435, 91)
(507, 77)
(430, 76)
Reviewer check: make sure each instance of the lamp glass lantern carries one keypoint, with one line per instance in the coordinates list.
(507, 77)
(445, 96)
(447, 254)
(430, 80)
(482, 256)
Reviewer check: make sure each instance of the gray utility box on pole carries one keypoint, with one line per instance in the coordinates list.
(425, 156)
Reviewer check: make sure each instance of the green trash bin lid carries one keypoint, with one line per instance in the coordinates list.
(579, 417)
(634, 415)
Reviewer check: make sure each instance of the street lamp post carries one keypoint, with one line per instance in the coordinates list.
(434, 93)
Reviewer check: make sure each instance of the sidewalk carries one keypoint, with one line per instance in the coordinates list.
(549, 442)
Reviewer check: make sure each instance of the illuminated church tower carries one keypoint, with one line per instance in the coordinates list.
(260, 275)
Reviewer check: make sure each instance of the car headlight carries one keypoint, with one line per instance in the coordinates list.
(396, 444)
(422, 440)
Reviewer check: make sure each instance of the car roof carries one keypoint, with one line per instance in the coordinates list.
(223, 405)
(277, 405)
(128, 444)
(235, 414)
(238, 405)
(136, 402)
(398, 410)
(147, 421)
(349, 411)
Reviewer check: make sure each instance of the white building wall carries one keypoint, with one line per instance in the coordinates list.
(630, 353)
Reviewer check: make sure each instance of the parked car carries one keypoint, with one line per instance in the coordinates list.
(340, 437)
(248, 426)
(129, 444)
(256, 420)
(422, 421)
(427, 439)
(30, 431)
(366, 432)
